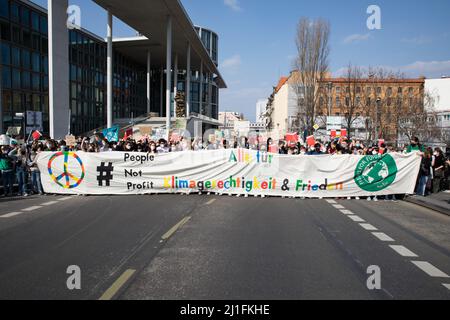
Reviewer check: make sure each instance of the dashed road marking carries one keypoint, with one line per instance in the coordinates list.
(348, 212)
(210, 202)
(383, 237)
(175, 228)
(447, 285)
(356, 218)
(331, 201)
(338, 206)
(368, 227)
(49, 203)
(429, 269)
(32, 208)
(112, 291)
(10, 215)
(403, 251)
(65, 199)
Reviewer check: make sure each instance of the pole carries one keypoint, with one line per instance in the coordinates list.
(188, 82)
(168, 74)
(109, 72)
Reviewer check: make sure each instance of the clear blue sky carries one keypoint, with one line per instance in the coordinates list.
(257, 38)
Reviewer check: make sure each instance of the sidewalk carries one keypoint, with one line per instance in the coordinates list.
(437, 202)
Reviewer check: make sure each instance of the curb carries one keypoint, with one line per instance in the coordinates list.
(428, 205)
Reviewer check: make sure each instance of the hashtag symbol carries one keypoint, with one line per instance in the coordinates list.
(105, 174)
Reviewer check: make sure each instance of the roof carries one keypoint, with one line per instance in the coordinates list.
(149, 18)
(281, 83)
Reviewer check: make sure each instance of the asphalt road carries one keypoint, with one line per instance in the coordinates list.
(212, 247)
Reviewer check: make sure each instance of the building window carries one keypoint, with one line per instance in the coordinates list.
(6, 54)
(4, 8)
(36, 82)
(26, 83)
(15, 12)
(35, 21)
(400, 90)
(26, 39)
(16, 79)
(338, 102)
(25, 17)
(5, 31)
(389, 92)
(338, 90)
(6, 77)
(44, 25)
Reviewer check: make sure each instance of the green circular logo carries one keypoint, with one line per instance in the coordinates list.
(376, 173)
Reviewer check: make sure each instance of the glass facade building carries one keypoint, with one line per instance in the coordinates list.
(24, 82)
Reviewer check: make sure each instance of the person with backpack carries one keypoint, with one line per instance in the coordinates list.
(7, 170)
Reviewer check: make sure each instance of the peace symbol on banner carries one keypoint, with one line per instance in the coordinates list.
(67, 179)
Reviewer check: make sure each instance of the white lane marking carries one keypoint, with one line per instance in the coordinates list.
(383, 237)
(331, 201)
(31, 208)
(10, 215)
(348, 212)
(64, 199)
(447, 285)
(338, 206)
(356, 218)
(210, 202)
(368, 227)
(429, 269)
(49, 203)
(403, 251)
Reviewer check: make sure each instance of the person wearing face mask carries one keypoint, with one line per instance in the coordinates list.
(317, 150)
(152, 148)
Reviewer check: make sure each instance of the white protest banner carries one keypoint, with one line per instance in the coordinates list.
(232, 171)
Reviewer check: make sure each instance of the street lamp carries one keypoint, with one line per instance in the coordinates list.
(377, 132)
(330, 98)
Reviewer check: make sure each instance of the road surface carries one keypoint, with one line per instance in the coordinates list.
(219, 247)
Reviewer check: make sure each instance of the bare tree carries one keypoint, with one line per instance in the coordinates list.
(268, 114)
(419, 118)
(311, 65)
(352, 96)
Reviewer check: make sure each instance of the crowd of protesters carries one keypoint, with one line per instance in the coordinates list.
(18, 162)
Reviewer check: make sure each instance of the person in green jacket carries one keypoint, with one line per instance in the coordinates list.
(7, 170)
(415, 146)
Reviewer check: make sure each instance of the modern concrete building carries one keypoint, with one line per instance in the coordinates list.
(83, 82)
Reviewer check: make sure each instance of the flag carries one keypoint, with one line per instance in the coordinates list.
(128, 134)
(111, 134)
(344, 133)
(311, 141)
(36, 135)
(292, 138)
(333, 134)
